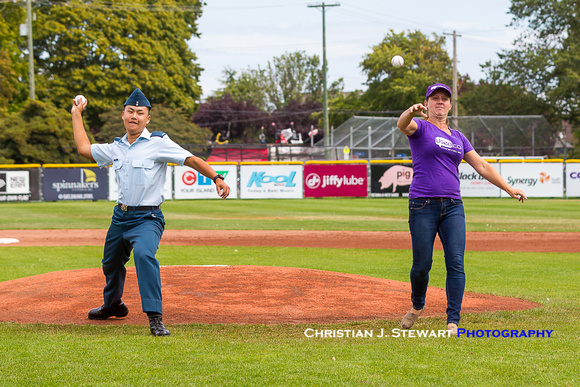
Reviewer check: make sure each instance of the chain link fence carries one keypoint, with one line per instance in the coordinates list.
(492, 136)
(378, 138)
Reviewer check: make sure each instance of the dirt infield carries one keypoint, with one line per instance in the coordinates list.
(476, 241)
(252, 294)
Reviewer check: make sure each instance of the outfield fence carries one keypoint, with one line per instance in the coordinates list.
(550, 178)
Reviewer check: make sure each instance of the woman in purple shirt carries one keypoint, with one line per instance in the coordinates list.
(435, 205)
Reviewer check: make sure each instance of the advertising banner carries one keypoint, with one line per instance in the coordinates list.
(535, 179)
(473, 185)
(75, 184)
(190, 184)
(390, 179)
(271, 181)
(14, 186)
(330, 180)
(114, 188)
(572, 180)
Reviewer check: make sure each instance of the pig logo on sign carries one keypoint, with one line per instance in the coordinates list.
(395, 176)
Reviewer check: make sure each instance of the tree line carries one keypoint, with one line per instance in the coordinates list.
(105, 51)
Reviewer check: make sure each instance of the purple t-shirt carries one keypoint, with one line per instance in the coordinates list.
(436, 157)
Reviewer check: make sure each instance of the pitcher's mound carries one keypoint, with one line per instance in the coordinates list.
(231, 294)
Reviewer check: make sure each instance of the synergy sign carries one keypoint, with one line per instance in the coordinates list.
(323, 180)
(271, 181)
(535, 179)
(190, 184)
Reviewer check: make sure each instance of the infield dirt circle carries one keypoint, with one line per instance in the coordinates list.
(252, 294)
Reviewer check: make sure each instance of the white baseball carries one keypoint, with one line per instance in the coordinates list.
(397, 61)
(80, 100)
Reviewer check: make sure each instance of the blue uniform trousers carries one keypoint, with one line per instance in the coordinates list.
(140, 232)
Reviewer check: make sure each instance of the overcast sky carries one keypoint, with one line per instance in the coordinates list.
(249, 33)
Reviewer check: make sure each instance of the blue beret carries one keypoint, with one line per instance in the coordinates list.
(137, 98)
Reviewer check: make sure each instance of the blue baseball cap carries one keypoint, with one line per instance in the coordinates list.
(431, 89)
(137, 98)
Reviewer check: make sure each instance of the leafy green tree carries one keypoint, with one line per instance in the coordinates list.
(7, 75)
(173, 122)
(391, 88)
(247, 86)
(546, 57)
(104, 51)
(289, 88)
(38, 133)
(345, 105)
(292, 77)
(13, 65)
(501, 99)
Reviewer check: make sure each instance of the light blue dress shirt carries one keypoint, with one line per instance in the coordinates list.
(140, 168)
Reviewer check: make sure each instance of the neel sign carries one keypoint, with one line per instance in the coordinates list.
(323, 180)
(271, 181)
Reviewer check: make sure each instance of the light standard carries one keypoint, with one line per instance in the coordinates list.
(324, 70)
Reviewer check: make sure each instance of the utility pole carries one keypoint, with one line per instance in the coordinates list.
(324, 70)
(454, 98)
(30, 50)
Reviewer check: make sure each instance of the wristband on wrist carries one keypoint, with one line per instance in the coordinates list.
(218, 176)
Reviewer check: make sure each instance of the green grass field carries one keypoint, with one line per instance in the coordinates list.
(309, 214)
(200, 354)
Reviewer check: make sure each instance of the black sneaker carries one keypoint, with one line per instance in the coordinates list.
(157, 327)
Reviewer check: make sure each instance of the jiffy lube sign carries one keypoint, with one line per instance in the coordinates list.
(322, 180)
(271, 181)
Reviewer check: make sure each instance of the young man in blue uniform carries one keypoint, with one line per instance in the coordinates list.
(139, 160)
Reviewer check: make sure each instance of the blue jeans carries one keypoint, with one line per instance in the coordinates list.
(446, 217)
(140, 232)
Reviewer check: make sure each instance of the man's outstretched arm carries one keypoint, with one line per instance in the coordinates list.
(81, 139)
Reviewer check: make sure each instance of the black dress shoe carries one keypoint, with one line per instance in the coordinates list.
(118, 309)
(157, 327)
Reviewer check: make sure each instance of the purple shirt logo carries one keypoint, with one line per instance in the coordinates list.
(448, 145)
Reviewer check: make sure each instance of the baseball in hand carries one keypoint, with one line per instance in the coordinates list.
(397, 61)
(80, 100)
